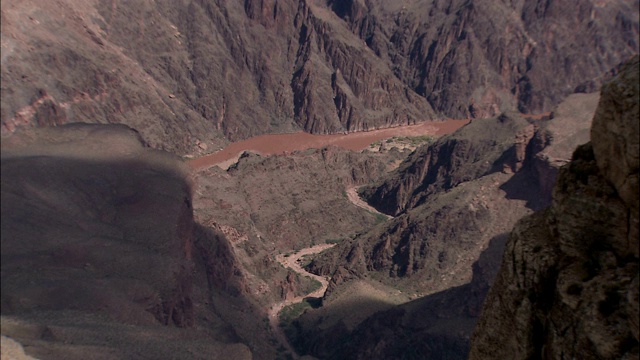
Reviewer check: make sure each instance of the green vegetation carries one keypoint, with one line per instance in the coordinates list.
(418, 140)
(375, 144)
(380, 218)
(334, 241)
(305, 260)
(292, 312)
(315, 285)
(413, 141)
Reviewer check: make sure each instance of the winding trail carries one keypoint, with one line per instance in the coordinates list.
(292, 262)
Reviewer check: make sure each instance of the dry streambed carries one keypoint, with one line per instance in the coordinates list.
(292, 262)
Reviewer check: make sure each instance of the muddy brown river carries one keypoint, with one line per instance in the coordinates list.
(283, 143)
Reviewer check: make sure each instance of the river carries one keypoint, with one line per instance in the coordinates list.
(284, 143)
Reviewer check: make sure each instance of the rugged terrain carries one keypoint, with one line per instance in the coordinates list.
(102, 233)
(568, 285)
(466, 191)
(192, 74)
(272, 205)
(269, 205)
(113, 248)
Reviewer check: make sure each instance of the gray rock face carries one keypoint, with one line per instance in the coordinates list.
(568, 286)
(477, 58)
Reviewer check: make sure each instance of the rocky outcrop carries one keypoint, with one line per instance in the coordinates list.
(480, 148)
(98, 250)
(422, 328)
(509, 143)
(191, 76)
(568, 285)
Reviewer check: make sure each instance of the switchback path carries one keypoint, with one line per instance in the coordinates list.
(292, 262)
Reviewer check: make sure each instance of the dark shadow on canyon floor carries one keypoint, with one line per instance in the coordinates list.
(434, 326)
(98, 257)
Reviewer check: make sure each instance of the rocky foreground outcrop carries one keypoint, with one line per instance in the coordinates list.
(568, 286)
(191, 75)
(101, 256)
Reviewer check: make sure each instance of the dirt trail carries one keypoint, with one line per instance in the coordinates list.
(352, 194)
(291, 262)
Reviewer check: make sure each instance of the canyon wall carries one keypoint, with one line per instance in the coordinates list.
(193, 74)
(568, 285)
(463, 194)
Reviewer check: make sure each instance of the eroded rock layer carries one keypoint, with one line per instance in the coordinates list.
(568, 286)
(190, 75)
(456, 200)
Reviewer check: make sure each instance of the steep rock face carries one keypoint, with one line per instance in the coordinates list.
(508, 143)
(463, 156)
(475, 59)
(198, 72)
(195, 71)
(432, 247)
(568, 286)
(98, 250)
(338, 72)
(434, 326)
(473, 173)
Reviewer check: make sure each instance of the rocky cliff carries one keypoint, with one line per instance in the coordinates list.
(201, 72)
(101, 255)
(508, 144)
(568, 285)
(477, 58)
